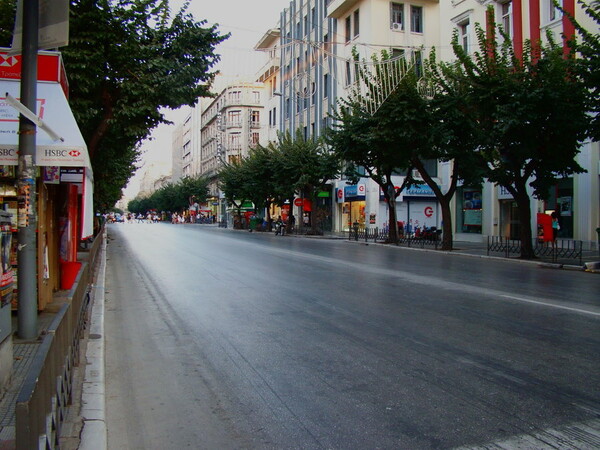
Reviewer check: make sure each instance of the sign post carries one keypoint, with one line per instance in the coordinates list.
(26, 189)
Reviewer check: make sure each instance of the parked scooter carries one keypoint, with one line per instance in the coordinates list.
(279, 228)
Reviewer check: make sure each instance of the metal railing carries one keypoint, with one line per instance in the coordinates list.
(47, 390)
(562, 249)
(381, 235)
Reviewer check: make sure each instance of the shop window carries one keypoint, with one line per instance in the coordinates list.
(469, 210)
(560, 199)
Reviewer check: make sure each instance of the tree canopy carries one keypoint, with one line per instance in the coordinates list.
(276, 173)
(126, 61)
(530, 114)
(173, 197)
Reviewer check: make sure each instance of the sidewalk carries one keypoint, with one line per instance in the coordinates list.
(24, 352)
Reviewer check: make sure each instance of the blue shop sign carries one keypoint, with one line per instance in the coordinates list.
(354, 193)
(419, 190)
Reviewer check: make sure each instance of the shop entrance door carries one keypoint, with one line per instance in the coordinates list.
(509, 220)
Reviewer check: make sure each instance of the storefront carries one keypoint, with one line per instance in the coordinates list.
(64, 183)
(560, 200)
(419, 208)
(352, 200)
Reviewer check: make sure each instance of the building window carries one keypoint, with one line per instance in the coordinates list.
(418, 63)
(397, 16)
(348, 73)
(234, 118)
(256, 96)
(314, 93)
(314, 17)
(348, 28)
(255, 117)
(255, 138)
(551, 12)
(287, 108)
(234, 96)
(416, 19)
(356, 23)
(506, 12)
(464, 32)
(234, 141)
(326, 85)
(275, 116)
(326, 45)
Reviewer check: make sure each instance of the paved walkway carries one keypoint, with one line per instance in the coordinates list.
(24, 351)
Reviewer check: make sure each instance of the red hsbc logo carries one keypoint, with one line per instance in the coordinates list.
(74, 153)
(8, 61)
(428, 211)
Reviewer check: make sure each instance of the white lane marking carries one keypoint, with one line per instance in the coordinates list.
(552, 305)
(431, 281)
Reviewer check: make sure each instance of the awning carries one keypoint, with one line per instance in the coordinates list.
(54, 110)
(71, 151)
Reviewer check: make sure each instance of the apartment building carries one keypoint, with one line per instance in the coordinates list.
(269, 76)
(575, 198)
(230, 125)
(316, 70)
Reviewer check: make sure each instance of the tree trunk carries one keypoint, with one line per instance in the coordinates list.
(392, 218)
(524, 205)
(447, 241)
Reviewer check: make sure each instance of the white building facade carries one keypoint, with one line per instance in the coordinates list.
(316, 40)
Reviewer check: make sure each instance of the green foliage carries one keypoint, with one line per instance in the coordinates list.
(278, 172)
(125, 61)
(8, 9)
(530, 115)
(173, 196)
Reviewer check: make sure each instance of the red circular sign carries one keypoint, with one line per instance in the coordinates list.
(298, 202)
(340, 193)
(428, 211)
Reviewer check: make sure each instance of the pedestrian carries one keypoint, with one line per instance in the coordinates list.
(555, 227)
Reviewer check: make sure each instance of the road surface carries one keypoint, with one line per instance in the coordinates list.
(228, 339)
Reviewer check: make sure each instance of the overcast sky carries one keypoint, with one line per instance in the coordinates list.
(247, 21)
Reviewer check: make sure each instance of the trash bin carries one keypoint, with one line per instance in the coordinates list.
(68, 274)
(7, 275)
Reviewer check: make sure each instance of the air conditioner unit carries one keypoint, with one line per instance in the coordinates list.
(397, 26)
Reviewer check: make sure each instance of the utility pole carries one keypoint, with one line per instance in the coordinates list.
(27, 212)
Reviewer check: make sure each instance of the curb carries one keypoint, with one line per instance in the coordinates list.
(541, 264)
(93, 404)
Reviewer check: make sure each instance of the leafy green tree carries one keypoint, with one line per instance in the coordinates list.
(453, 138)
(259, 178)
(531, 117)
(383, 143)
(172, 196)
(8, 9)
(233, 178)
(301, 167)
(126, 61)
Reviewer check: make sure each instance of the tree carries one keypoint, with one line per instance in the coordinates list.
(453, 133)
(135, 60)
(172, 196)
(383, 143)
(531, 117)
(233, 178)
(301, 167)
